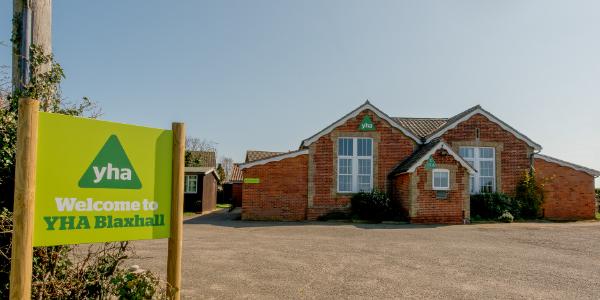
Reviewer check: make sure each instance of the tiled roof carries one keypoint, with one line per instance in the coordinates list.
(236, 174)
(206, 158)
(421, 127)
(426, 127)
(404, 165)
(453, 119)
(252, 155)
(420, 155)
(278, 157)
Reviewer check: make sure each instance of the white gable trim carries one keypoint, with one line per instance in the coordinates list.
(273, 158)
(353, 114)
(202, 170)
(441, 145)
(563, 163)
(492, 118)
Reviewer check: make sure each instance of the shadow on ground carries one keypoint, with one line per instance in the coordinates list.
(233, 219)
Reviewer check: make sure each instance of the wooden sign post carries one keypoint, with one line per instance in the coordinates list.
(138, 169)
(176, 239)
(22, 238)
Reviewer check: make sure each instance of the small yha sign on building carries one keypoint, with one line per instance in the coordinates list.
(101, 181)
(366, 124)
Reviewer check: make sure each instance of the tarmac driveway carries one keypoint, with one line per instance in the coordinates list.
(228, 259)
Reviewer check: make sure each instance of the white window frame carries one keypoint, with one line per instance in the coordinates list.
(475, 179)
(440, 188)
(188, 178)
(354, 160)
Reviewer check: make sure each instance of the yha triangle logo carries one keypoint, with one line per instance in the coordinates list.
(111, 169)
(366, 124)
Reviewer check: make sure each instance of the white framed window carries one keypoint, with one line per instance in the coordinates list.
(440, 179)
(483, 160)
(355, 165)
(191, 184)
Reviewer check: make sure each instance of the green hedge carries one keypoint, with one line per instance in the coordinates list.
(373, 206)
(526, 204)
(490, 206)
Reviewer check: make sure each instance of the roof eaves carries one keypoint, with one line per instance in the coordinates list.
(463, 116)
(354, 113)
(415, 162)
(273, 158)
(563, 163)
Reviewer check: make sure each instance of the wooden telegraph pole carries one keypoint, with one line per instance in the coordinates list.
(176, 239)
(33, 26)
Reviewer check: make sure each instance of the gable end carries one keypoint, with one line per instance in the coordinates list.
(454, 121)
(366, 106)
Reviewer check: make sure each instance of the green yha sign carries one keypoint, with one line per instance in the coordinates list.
(100, 181)
(366, 124)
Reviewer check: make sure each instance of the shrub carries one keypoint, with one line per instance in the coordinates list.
(491, 205)
(529, 197)
(74, 272)
(374, 206)
(134, 285)
(506, 217)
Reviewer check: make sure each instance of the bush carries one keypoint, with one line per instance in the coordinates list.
(134, 285)
(506, 217)
(529, 197)
(373, 206)
(74, 272)
(490, 206)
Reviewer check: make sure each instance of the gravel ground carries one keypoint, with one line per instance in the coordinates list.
(228, 259)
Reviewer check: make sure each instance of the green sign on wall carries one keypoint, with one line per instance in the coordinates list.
(252, 180)
(366, 124)
(100, 181)
(430, 165)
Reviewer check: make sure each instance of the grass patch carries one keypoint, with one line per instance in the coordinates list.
(223, 205)
(598, 216)
(189, 213)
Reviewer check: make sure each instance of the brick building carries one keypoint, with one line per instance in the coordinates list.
(429, 166)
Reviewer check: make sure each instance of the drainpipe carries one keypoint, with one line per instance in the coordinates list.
(532, 160)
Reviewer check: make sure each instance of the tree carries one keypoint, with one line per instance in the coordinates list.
(221, 173)
(197, 144)
(227, 163)
(193, 148)
(45, 86)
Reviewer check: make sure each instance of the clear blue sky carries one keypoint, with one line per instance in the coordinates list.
(267, 74)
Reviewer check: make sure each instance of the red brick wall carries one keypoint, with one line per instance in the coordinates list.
(569, 194)
(446, 211)
(391, 146)
(281, 193)
(514, 156)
